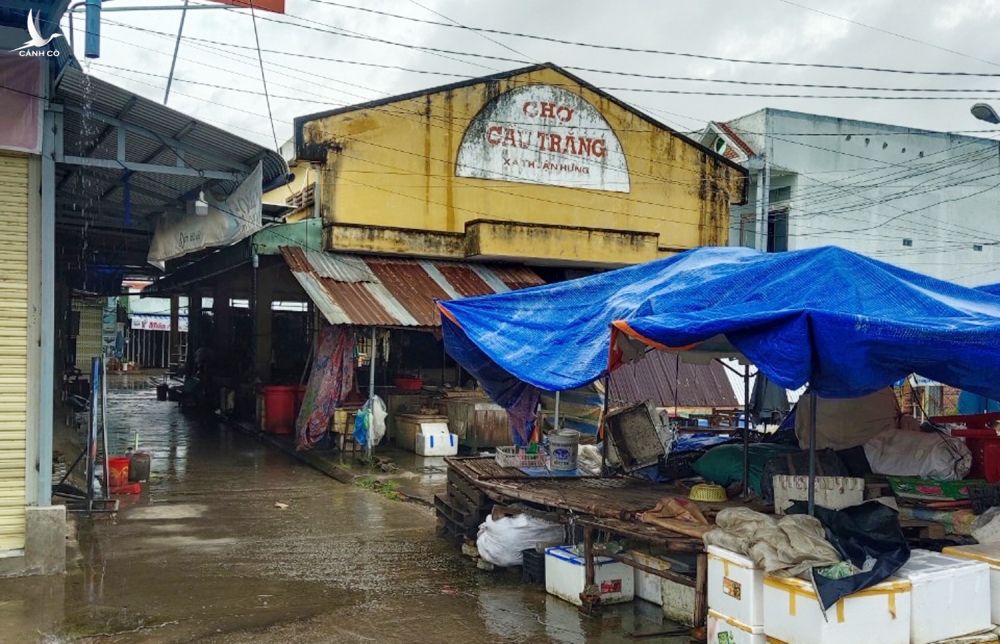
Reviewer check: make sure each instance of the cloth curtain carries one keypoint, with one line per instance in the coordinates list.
(331, 379)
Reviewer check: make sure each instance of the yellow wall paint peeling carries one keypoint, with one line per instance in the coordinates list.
(394, 166)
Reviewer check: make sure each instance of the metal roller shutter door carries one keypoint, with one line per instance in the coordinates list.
(13, 346)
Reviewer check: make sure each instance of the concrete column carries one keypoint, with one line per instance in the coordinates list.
(221, 340)
(175, 329)
(51, 139)
(262, 324)
(35, 304)
(194, 332)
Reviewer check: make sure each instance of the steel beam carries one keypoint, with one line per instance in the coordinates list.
(171, 142)
(99, 139)
(151, 168)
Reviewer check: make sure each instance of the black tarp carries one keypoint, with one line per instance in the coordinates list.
(869, 532)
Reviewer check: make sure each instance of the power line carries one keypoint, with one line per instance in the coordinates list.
(263, 77)
(890, 33)
(904, 90)
(640, 50)
(489, 188)
(980, 234)
(457, 23)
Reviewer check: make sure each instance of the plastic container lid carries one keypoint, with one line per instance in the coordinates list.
(985, 552)
(731, 556)
(925, 564)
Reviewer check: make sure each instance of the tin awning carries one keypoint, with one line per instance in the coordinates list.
(393, 292)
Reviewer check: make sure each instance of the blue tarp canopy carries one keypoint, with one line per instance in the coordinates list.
(845, 323)
(990, 288)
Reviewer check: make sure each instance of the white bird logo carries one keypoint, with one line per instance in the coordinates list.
(36, 37)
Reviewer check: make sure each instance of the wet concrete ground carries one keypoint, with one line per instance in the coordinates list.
(204, 555)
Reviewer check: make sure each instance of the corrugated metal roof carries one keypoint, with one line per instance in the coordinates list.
(516, 277)
(384, 291)
(666, 381)
(205, 147)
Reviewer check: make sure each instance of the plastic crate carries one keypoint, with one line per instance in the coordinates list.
(533, 568)
(984, 444)
(510, 456)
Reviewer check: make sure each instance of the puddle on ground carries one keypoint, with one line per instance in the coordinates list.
(204, 554)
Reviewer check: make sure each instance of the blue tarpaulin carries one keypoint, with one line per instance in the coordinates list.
(845, 323)
(990, 288)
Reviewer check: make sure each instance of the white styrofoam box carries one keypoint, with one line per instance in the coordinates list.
(647, 585)
(735, 586)
(434, 439)
(833, 492)
(880, 613)
(726, 630)
(950, 597)
(678, 602)
(565, 577)
(988, 553)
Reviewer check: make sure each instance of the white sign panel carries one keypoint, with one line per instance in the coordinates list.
(227, 222)
(543, 134)
(146, 322)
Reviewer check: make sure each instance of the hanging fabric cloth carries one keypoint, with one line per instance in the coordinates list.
(331, 379)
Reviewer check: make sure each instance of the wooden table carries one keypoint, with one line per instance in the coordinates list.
(651, 535)
(342, 426)
(608, 505)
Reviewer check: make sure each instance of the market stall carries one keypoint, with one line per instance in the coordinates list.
(843, 324)
(379, 345)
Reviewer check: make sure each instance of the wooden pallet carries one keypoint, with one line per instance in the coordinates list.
(916, 529)
(464, 521)
(449, 531)
(462, 485)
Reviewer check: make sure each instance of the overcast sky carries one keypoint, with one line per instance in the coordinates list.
(774, 30)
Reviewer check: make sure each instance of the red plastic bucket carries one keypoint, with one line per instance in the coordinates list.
(118, 471)
(279, 408)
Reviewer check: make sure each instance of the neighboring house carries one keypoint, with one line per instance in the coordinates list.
(925, 201)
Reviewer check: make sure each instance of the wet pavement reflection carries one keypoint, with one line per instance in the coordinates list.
(205, 555)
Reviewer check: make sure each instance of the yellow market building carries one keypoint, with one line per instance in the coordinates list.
(533, 165)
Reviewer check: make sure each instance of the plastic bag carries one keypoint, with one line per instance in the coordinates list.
(588, 460)
(501, 542)
(370, 418)
(929, 455)
(986, 527)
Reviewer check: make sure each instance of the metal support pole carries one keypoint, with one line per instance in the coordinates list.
(95, 383)
(104, 426)
(177, 46)
(812, 451)
(589, 570)
(371, 392)
(555, 421)
(603, 428)
(746, 431)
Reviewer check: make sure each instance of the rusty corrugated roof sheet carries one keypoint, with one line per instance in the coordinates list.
(661, 379)
(735, 138)
(384, 291)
